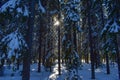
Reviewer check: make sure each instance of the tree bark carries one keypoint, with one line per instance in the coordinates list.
(59, 70)
(107, 63)
(39, 62)
(43, 49)
(118, 55)
(91, 41)
(75, 40)
(18, 63)
(117, 5)
(27, 55)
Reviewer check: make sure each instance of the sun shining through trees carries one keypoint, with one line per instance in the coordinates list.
(59, 39)
(56, 22)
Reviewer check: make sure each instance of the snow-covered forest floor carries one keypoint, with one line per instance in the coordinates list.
(84, 73)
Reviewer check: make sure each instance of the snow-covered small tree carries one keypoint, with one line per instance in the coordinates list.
(71, 10)
(21, 15)
(13, 46)
(112, 27)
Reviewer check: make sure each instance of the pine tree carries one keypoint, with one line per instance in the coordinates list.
(112, 27)
(23, 12)
(71, 11)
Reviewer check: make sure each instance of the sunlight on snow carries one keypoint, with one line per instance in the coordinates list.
(54, 75)
(33, 69)
(98, 70)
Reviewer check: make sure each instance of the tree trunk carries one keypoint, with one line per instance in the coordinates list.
(117, 5)
(44, 52)
(18, 63)
(87, 58)
(118, 55)
(107, 63)
(27, 55)
(59, 70)
(97, 60)
(91, 41)
(26, 66)
(80, 47)
(39, 62)
(106, 54)
(2, 67)
(75, 40)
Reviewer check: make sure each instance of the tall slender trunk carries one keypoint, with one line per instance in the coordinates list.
(91, 41)
(118, 55)
(59, 70)
(18, 63)
(107, 63)
(80, 47)
(59, 41)
(26, 66)
(117, 5)
(95, 54)
(39, 62)
(44, 52)
(75, 40)
(87, 58)
(27, 55)
(106, 54)
(97, 60)
(1, 67)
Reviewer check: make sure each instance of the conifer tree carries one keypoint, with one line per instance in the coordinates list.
(71, 11)
(112, 27)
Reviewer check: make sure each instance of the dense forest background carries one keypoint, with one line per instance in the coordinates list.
(69, 31)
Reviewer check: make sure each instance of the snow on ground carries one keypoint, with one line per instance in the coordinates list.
(84, 73)
(100, 73)
(55, 76)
